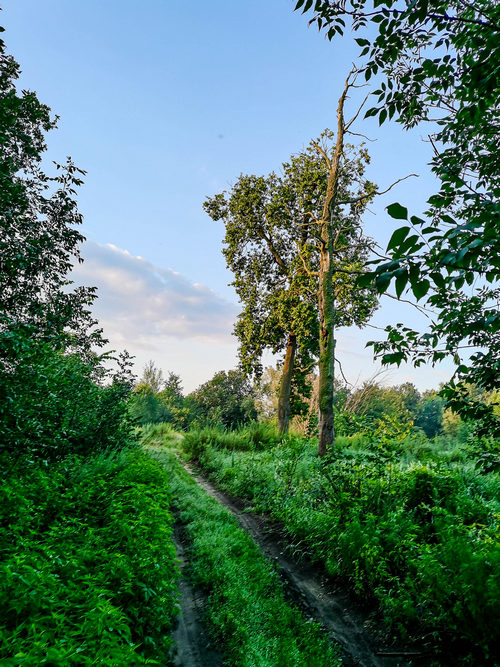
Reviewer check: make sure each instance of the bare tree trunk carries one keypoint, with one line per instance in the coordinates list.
(326, 303)
(285, 385)
(326, 362)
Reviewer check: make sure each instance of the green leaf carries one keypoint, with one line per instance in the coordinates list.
(401, 282)
(420, 288)
(393, 358)
(382, 281)
(365, 279)
(398, 237)
(397, 211)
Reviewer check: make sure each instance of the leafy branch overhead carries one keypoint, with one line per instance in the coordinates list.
(435, 64)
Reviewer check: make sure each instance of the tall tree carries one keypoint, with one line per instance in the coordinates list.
(337, 239)
(273, 250)
(437, 63)
(56, 395)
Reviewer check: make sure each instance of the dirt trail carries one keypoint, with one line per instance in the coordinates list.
(311, 590)
(192, 643)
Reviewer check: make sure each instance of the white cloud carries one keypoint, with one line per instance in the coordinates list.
(158, 314)
(151, 301)
(185, 327)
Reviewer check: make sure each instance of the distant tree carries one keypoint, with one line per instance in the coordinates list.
(172, 390)
(226, 398)
(429, 416)
(266, 393)
(372, 402)
(156, 399)
(152, 378)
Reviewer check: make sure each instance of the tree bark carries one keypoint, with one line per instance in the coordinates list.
(326, 303)
(285, 385)
(326, 362)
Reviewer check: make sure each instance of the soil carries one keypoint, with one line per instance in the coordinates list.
(193, 647)
(346, 622)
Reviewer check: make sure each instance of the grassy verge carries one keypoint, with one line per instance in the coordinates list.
(88, 565)
(421, 535)
(247, 610)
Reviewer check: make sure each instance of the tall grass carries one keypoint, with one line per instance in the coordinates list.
(247, 610)
(416, 527)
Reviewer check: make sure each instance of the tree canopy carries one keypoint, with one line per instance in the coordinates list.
(56, 394)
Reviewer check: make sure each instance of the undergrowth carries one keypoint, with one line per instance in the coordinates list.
(247, 610)
(416, 527)
(88, 567)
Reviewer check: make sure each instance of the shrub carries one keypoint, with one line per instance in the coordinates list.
(88, 565)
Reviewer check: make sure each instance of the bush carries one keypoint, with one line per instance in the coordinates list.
(88, 565)
(56, 403)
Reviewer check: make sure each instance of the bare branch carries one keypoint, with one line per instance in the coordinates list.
(358, 134)
(306, 268)
(353, 119)
(342, 372)
(322, 153)
(421, 309)
(376, 193)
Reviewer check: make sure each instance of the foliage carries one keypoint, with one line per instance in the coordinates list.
(247, 609)
(408, 522)
(156, 399)
(429, 416)
(226, 399)
(88, 565)
(55, 403)
(56, 394)
(438, 62)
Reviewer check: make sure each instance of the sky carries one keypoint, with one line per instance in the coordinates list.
(164, 103)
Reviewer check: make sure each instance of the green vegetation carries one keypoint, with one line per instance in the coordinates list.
(247, 610)
(87, 562)
(88, 565)
(410, 522)
(58, 394)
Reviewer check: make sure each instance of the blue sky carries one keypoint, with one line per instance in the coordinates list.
(166, 102)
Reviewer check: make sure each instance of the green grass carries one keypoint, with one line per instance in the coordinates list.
(247, 610)
(417, 528)
(88, 566)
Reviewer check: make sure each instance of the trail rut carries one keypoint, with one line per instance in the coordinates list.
(192, 643)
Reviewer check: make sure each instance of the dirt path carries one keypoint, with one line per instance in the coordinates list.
(311, 590)
(192, 643)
